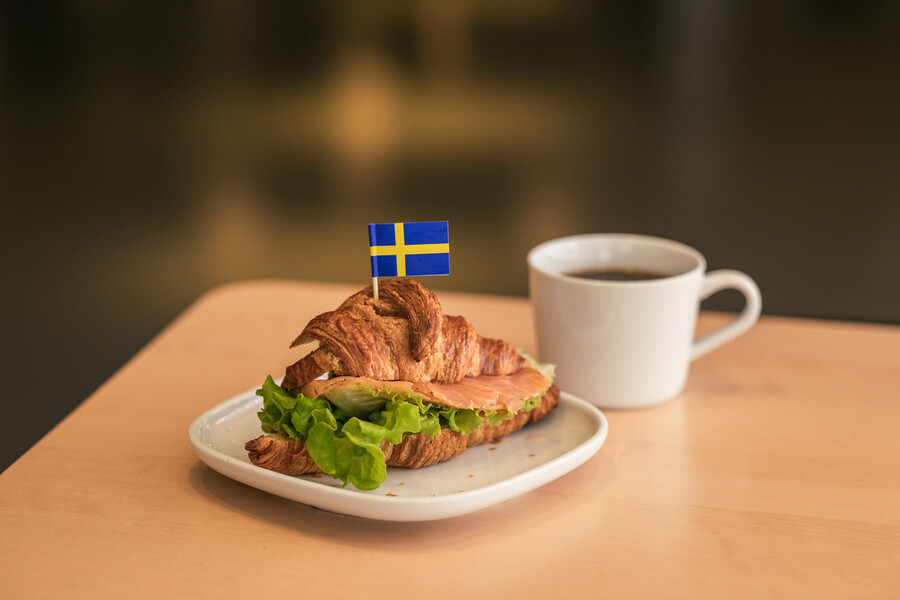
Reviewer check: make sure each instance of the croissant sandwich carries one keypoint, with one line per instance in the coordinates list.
(394, 382)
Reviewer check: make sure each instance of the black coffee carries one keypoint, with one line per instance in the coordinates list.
(617, 274)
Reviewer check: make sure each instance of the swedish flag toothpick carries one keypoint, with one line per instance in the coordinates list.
(409, 249)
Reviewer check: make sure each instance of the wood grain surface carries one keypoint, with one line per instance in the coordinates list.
(776, 473)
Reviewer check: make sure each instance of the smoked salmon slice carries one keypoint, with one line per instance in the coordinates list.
(487, 392)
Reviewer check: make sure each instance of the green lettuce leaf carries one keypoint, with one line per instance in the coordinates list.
(358, 401)
(346, 446)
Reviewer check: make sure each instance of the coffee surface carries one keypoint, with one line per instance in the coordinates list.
(617, 274)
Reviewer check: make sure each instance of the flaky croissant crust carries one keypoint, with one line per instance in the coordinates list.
(402, 336)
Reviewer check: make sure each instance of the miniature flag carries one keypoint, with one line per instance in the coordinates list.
(410, 249)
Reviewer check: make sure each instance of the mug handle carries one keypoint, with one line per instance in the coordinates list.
(716, 281)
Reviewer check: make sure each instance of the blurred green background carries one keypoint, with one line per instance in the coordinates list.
(151, 151)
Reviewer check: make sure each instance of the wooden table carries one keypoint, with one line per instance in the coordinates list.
(775, 474)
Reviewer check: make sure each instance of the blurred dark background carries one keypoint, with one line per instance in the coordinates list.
(152, 150)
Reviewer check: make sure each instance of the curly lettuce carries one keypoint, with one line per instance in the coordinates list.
(344, 441)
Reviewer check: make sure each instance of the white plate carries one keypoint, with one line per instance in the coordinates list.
(480, 477)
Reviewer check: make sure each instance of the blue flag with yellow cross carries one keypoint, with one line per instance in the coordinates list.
(409, 249)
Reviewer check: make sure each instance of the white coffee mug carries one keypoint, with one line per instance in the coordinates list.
(627, 343)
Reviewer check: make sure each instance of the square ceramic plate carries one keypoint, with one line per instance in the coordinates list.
(482, 476)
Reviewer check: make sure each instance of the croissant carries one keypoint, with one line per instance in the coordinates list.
(398, 346)
(402, 336)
